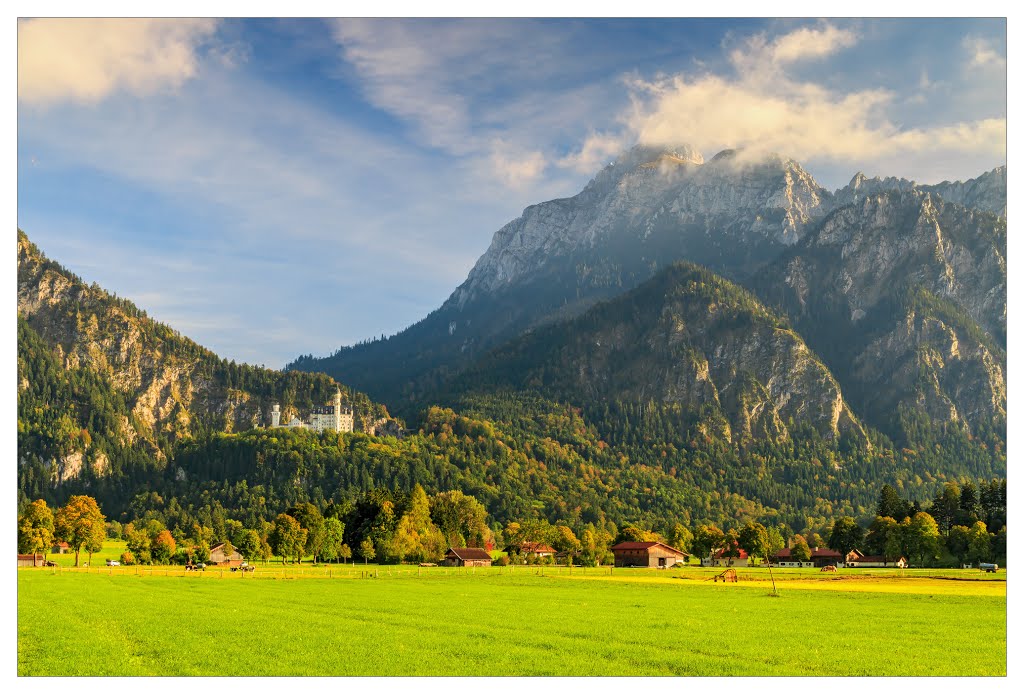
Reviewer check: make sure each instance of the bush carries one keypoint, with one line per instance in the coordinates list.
(127, 558)
(144, 557)
(501, 561)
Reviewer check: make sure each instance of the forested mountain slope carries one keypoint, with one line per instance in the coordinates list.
(105, 391)
(688, 338)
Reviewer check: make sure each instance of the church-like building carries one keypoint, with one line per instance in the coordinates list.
(326, 418)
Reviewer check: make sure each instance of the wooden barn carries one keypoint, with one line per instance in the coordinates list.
(649, 554)
(30, 560)
(60, 548)
(218, 557)
(467, 556)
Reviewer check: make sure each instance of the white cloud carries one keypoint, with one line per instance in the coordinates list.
(597, 150)
(983, 54)
(762, 107)
(807, 43)
(85, 60)
(514, 168)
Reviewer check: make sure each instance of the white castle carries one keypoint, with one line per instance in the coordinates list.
(327, 418)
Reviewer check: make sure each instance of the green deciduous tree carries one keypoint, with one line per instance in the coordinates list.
(800, 551)
(979, 543)
(287, 538)
(846, 535)
(35, 529)
(706, 540)
(80, 523)
(334, 538)
(753, 539)
(366, 550)
(163, 547)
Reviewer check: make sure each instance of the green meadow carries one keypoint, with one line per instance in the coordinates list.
(360, 620)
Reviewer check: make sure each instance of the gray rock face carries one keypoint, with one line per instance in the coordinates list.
(987, 192)
(904, 295)
(645, 191)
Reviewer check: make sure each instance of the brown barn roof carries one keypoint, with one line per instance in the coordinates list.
(720, 554)
(645, 545)
(470, 553)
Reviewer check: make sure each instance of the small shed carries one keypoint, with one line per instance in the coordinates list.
(60, 548)
(30, 560)
(467, 556)
(649, 554)
(218, 557)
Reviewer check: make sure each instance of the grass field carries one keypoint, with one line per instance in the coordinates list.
(501, 622)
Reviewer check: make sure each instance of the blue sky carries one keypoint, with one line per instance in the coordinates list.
(278, 187)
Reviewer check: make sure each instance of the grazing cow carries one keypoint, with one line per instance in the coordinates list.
(830, 567)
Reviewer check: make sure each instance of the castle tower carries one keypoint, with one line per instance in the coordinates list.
(275, 416)
(337, 410)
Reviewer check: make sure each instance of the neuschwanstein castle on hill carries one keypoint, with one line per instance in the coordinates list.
(326, 418)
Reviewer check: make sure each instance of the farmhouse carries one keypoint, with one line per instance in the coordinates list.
(60, 548)
(538, 549)
(218, 557)
(467, 556)
(30, 560)
(718, 559)
(858, 560)
(784, 558)
(650, 554)
(820, 556)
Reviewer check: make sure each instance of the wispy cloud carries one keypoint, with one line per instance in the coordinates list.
(85, 60)
(983, 53)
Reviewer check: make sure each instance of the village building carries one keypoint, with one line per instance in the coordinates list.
(218, 557)
(331, 417)
(30, 560)
(467, 556)
(820, 557)
(537, 549)
(718, 558)
(858, 560)
(784, 559)
(60, 548)
(649, 554)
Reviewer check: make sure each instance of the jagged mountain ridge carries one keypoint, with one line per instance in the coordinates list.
(685, 337)
(89, 362)
(733, 214)
(904, 296)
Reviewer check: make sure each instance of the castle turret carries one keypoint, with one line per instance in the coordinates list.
(337, 410)
(275, 416)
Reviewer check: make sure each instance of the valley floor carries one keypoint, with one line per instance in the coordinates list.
(360, 620)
